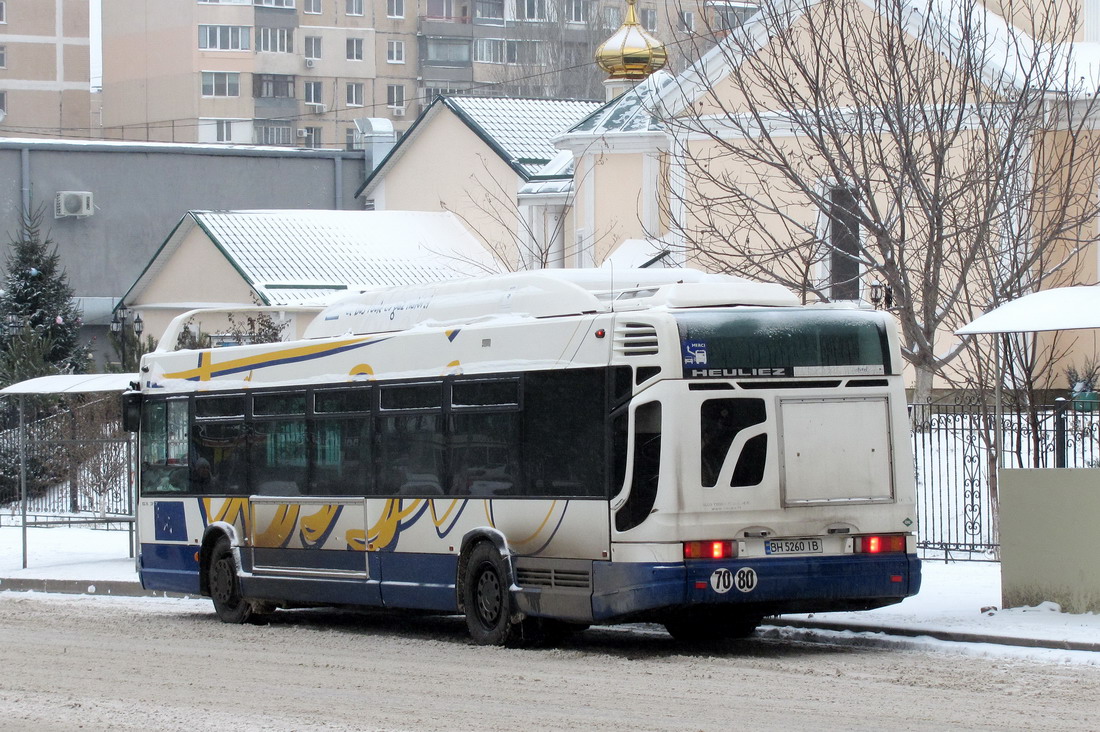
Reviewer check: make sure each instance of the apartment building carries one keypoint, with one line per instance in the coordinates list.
(324, 73)
(44, 68)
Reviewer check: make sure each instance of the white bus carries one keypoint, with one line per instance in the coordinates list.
(538, 451)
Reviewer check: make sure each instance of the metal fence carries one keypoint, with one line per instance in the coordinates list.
(956, 472)
(79, 466)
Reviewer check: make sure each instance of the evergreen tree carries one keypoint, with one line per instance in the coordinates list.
(38, 295)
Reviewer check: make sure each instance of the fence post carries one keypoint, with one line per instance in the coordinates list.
(1060, 407)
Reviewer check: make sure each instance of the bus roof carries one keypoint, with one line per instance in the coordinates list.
(538, 294)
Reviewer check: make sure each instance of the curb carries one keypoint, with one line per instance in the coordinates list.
(117, 588)
(943, 635)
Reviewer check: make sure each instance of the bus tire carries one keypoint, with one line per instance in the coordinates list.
(225, 585)
(487, 599)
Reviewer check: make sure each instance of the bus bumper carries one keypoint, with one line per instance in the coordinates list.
(758, 585)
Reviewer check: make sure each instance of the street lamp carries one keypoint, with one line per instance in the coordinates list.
(119, 320)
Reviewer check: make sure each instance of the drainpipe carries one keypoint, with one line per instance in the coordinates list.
(25, 171)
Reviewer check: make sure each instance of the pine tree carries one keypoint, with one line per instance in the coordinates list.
(38, 295)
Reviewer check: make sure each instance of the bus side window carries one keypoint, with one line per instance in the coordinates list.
(647, 468)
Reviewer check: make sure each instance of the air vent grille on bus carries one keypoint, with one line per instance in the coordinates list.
(636, 339)
(530, 577)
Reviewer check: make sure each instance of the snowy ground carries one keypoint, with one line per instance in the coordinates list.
(958, 597)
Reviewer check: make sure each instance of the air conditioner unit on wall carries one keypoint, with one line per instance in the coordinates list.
(73, 203)
(398, 111)
(309, 63)
(302, 132)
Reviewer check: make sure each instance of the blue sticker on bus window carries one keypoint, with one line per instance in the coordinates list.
(695, 353)
(170, 521)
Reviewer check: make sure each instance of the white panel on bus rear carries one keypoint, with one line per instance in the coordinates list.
(835, 450)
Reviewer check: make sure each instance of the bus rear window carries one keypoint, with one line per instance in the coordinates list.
(782, 342)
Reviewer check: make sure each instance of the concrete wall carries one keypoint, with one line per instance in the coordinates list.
(142, 190)
(1048, 520)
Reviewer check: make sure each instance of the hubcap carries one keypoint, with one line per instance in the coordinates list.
(489, 598)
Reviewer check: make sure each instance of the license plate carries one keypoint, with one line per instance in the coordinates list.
(793, 546)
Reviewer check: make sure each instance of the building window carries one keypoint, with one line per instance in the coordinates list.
(272, 86)
(395, 8)
(730, 15)
(489, 50)
(395, 96)
(576, 11)
(351, 139)
(447, 52)
(312, 7)
(225, 2)
(3, 101)
(501, 51)
(273, 132)
(315, 92)
(531, 9)
(843, 240)
(3, 57)
(395, 52)
(355, 49)
(275, 40)
(648, 18)
(687, 21)
(3, 12)
(276, 3)
(312, 136)
(355, 94)
(612, 16)
(489, 9)
(354, 7)
(223, 37)
(313, 47)
(224, 130)
(221, 84)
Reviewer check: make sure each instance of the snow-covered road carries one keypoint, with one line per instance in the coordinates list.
(168, 664)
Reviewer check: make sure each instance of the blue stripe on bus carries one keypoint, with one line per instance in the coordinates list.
(418, 581)
(822, 582)
(170, 567)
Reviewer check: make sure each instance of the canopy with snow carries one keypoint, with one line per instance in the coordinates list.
(72, 384)
(1063, 308)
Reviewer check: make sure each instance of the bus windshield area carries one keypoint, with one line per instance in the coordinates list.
(782, 342)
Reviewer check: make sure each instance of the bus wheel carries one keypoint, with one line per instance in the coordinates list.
(225, 585)
(487, 599)
(702, 626)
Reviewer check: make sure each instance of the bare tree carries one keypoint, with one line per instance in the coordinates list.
(939, 149)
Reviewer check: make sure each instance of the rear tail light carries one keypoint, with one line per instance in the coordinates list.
(710, 549)
(880, 544)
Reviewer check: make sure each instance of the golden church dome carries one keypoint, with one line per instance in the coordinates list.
(631, 52)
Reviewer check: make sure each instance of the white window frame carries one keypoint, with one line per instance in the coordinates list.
(223, 130)
(312, 47)
(395, 8)
(648, 18)
(395, 52)
(225, 77)
(612, 16)
(312, 7)
(275, 3)
(353, 7)
(489, 50)
(354, 49)
(395, 96)
(532, 10)
(353, 95)
(687, 21)
(576, 11)
(313, 92)
(312, 138)
(3, 12)
(3, 56)
(274, 40)
(234, 37)
(3, 101)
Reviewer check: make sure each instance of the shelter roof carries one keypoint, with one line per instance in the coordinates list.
(302, 256)
(1061, 308)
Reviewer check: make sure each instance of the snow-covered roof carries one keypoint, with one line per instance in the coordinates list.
(522, 128)
(629, 112)
(299, 256)
(519, 131)
(1062, 308)
(72, 384)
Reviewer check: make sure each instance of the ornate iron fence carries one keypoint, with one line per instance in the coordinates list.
(78, 465)
(956, 474)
